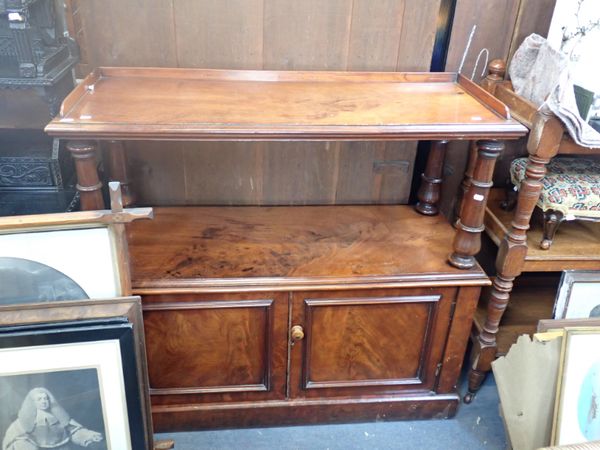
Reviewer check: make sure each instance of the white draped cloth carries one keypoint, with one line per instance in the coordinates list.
(541, 74)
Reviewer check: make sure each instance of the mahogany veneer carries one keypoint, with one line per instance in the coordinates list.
(202, 104)
(384, 319)
(280, 315)
(291, 248)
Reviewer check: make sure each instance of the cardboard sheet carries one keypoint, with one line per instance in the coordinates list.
(526, 380)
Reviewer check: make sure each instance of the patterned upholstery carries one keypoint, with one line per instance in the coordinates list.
(571, 185)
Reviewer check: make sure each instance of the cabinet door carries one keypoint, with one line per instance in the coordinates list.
(368, 342)
(216, 347)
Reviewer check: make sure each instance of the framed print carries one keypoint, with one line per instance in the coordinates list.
(578, 295)
(576, 414)
(70, 256)
(84, 362)
(57, 265)
(545, 325)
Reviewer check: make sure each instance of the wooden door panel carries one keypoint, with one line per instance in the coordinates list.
(204, 346)
(349, 340)
(369, 342)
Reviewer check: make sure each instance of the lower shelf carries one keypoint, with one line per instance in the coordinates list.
(288, 315)
(532, 299)
(576, 244)
(292, 248)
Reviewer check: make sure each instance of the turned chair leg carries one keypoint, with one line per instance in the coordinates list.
(552, 220)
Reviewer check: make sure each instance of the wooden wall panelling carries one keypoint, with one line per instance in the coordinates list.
(219, 34)
(355, 180)
(534, 16)
(157, 177)
(300, 172)
(310, 34)
(374, 39)
(223, 173)
(129, 32)
(394, 174)
(418, 35)
(495, 20)
(303, 35)
(270, 34)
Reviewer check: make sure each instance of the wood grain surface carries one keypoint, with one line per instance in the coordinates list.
(155, 103)
(361, 343)
(257, 34)
(577, 244)
(288, 247)
(192, 417)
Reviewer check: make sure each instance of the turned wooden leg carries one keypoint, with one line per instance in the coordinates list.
(431, 180)
(119, 171)
(467, 240)
(466, 182)
(552, 220)
(509, 264)
(88, 181)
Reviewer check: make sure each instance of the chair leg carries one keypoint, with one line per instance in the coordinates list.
(552, 220)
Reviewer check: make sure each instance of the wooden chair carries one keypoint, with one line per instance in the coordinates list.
(546, 139)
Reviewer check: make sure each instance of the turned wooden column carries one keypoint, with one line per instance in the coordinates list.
(88, 181)
(509, 264)
(119, 171)
(431, 180)
(542, 145)
(495, 76)
(467, 240)
(466, 182)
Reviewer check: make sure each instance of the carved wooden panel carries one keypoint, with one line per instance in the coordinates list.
(372, 340)
(211, 345)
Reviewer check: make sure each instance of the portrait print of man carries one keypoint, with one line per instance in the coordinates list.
(43, 423)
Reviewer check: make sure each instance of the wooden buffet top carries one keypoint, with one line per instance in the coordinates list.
(293, 247)
(202, 104)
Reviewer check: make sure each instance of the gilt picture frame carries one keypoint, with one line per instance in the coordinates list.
(576, 418)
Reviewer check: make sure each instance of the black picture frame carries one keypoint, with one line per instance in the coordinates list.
(114, 326)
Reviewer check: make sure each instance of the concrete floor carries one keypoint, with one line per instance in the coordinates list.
(476, 426)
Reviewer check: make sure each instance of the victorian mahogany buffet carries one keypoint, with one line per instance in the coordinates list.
(278, 315)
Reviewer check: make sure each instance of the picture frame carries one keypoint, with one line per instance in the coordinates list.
(576, 418)
(545, 325)
(73, 343)
(67, 256)
(578, 295)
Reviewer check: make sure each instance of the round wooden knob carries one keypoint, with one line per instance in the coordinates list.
(497, 68)
(297, 333)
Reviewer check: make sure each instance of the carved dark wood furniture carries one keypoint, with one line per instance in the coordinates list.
(35, 76)
(278, 315)
(518, 246)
